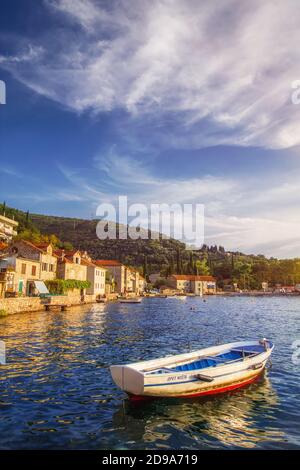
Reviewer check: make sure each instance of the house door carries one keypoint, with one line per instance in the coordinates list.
(20, 287)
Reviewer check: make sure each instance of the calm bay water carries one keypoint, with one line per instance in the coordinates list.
(56, 391)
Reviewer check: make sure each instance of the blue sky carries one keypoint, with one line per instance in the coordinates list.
(164, 101)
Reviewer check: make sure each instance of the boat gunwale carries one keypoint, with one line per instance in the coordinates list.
(230, 362)
(189, 357)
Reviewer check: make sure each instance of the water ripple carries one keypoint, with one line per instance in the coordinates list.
(56, 390)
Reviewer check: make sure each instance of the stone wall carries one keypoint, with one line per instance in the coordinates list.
(21, 304)
(33, 304)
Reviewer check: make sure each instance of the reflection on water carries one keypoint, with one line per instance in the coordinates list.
(56, 390)
(228, 420)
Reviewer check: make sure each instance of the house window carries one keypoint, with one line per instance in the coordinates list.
(33, 270)
(23, 268)
(77, 260)
(51, 268)
(44, 266)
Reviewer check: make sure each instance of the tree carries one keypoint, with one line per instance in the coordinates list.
(172, 265)
(190, 265)
(145, 267)
(178, 262)
(202, 268)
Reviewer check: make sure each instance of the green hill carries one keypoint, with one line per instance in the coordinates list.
(157, 254)
(167, 256)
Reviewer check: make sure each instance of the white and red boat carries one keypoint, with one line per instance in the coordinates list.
(207, 371)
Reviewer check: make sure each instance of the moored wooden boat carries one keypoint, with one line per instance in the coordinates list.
(204, 372)
(130, 300)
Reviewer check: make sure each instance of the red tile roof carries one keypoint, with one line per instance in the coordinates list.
(71, 252)
(58, 251)
(107, 262)
(85, 262)
(32, 245)
(3, 246)
(41, 247)
(190, 277)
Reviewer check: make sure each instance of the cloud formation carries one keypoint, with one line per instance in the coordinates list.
(238, 215)
(228, 64)
(175, 74)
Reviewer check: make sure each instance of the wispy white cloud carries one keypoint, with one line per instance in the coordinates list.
(238, 216)
(231, 63)
(31, 54)
(195, 73)
(10, 171)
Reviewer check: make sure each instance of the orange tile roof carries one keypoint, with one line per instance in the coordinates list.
(58, 251)
(190, 277)
(41, 245)
(32, 245)
(107, 262)
(96, 263)
(3, 246)
(37, 246)
(85, 262)
(61, 251)
(71, 252)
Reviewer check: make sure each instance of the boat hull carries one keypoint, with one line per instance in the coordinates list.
(203, 393)
(130, 301)
(138, 380)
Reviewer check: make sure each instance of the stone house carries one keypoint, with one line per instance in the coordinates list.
(18, 275)
(132, 281)
(198, 285)
(23, 265)
(95, 275)
(117, 270)
(70, 265)
(42, 253)
(142, 284)
(8, 228)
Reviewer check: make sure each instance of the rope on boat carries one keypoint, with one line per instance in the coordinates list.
(269, 363)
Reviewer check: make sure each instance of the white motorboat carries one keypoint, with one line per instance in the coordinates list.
(204, 372)
(130, 300)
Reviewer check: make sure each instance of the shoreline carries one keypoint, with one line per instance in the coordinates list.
(11, 306)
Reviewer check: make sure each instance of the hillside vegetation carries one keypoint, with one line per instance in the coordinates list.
(167, 256)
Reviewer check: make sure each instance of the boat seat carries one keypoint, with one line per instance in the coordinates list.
(233, 355)
(210, 361)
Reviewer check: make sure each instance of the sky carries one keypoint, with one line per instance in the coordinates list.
(165, 101)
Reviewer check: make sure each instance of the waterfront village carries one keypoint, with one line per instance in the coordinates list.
(38, 275)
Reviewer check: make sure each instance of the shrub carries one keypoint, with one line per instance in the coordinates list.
(3, 313)
(61, 286)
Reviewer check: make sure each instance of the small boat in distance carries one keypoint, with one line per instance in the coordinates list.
(207, 371)
(130, 300)
(180, 296)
